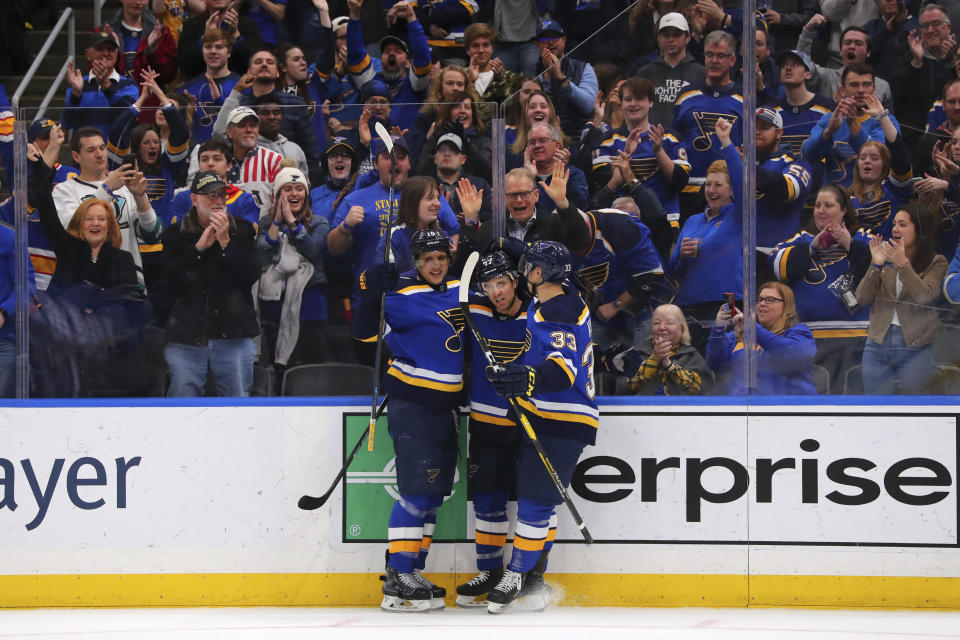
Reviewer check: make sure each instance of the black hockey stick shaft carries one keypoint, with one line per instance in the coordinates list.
(467, 274)
(372, 427)
(309, 503)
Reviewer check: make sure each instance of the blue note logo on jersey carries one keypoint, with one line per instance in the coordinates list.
(707, 123)
(596, 274)
(454, 318)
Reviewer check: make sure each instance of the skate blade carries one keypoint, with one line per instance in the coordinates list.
(437, 603)
(400, 605)
(533, 602)
(496, 607)
(472, 602)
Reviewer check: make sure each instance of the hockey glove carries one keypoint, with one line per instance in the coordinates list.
(621, 360)
(379, 279)
(512, 380)
(513, 247)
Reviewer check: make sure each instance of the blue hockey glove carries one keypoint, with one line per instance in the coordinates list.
(512, 380)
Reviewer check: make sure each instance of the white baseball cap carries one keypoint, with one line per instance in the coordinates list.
(675, 20)
(240, 114)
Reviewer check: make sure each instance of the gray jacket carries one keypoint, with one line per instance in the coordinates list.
(669, 83)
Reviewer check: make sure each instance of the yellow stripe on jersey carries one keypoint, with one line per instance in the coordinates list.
(838, 333)
(782, 259)
(562, 416)
(424, 382)
(488, 419)
(420, 288)
(150, 248)
(360, 66)
(563, 365)
(43, 264)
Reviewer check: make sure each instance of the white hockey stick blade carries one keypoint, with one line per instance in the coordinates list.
(467, 274)
(384, 135)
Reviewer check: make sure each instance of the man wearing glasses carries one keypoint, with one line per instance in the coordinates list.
(925, 70)
(697, 111)
(570, 83)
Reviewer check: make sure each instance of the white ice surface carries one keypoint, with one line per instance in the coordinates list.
(453, 624)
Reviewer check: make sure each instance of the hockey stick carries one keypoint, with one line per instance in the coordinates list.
(309, 503)
(388, 143)
(465, 277)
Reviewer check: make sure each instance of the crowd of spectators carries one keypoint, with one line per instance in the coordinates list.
(228, 187)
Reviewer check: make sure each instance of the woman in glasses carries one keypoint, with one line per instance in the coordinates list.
(785, 348)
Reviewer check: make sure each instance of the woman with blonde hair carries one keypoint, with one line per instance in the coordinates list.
(667, 364)
(539, 108)
(785, 348)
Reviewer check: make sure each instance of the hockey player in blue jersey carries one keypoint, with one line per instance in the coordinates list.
(423, 329)
(554, 387)
(618, 258)
(495, 436)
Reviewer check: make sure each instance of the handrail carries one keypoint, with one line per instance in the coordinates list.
(65, 17)
(97, 6)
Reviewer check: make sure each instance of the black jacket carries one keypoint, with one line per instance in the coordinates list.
(209, 292)
(190, 47)
(113, 267)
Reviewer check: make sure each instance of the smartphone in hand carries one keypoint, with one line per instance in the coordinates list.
(730, 300)
(130, 159)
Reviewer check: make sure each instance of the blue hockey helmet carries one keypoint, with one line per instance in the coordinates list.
(553, 258)
(427, 240)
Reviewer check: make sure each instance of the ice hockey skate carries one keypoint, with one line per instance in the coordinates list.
(403, 592)
(535, 593)
(473, 592)
(437, 593)
(506, 591)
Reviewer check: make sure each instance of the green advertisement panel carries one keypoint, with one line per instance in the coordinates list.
(371, 487)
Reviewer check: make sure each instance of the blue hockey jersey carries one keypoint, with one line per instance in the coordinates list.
(695, 116)
(424, 327)
(644, 164)
(811, 273)
(507, 337)
(559, 332)
(780, 208)
(621, 251)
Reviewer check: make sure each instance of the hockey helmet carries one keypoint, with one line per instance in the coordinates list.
(553, 258)
(427, 240)
(495, 265)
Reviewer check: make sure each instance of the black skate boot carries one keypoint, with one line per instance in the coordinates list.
(403, 592)
(437, 593)
(535, 594)
(473, 592)
(505, 592)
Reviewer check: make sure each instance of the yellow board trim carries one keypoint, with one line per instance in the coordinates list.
(363, 589)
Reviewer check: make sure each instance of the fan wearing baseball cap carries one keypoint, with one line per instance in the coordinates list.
(211, 265)
(405, 67)
(673, 69)
(571, 84)
(799, 108)
(102, 87)
(783, 183)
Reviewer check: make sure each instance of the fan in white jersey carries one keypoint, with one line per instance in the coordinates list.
(124, 186)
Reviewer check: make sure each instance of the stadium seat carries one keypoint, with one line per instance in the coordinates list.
(821, 378)
(330, 379)
(853, 381)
